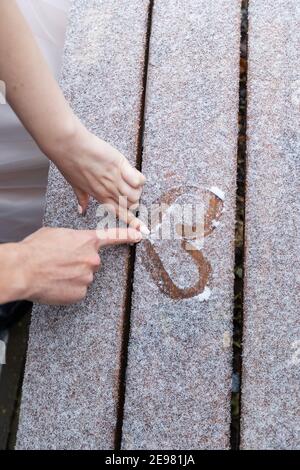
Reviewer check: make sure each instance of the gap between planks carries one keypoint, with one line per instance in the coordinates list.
(237, 342)
(130, 275)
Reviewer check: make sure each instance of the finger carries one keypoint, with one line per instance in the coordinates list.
(132, 194)
(124, 214)
(134, 207)
(111, 236)
(123, 202)
(83, 200)
(132, 176)
(117, 236)
(130, 219)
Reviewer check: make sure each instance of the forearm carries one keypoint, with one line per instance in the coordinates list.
(12, 279)
(31, 89)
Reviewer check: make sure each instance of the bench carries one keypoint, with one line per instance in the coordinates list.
(145, 362)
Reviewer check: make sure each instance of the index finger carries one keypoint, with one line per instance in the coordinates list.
(117, 236)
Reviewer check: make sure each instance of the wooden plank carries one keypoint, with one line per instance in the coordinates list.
(271, 364)
(179, 365)
(70, 392)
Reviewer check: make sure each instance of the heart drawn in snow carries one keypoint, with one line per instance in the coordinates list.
(213, 200)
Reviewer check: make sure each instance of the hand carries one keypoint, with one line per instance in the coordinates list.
(95, 168)
(90, 165)
(58, 264)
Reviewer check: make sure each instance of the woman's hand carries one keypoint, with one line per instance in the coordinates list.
(89, 164)
(55, 265)
(95, 168)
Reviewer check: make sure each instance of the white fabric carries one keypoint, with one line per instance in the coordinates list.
(23, 168)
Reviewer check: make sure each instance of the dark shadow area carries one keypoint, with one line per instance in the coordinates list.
(11, 378)
(239, 234)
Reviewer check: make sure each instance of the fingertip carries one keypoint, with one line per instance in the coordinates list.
(83, 202)
(142, 179)
(134, 177)
(118, 236)
(83, 212)
(134, 235)
(135, 180)
(135, 224)
(144, 229)
(133, 207)
(140, 226)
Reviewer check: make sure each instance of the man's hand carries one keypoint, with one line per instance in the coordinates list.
(57, 265)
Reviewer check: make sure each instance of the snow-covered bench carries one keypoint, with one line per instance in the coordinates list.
(144, 362)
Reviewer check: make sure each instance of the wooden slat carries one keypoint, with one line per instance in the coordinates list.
(179, 365)
(70, 391)
(271, 359)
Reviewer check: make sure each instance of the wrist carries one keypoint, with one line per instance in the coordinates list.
(13, 280)
(65, 141)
